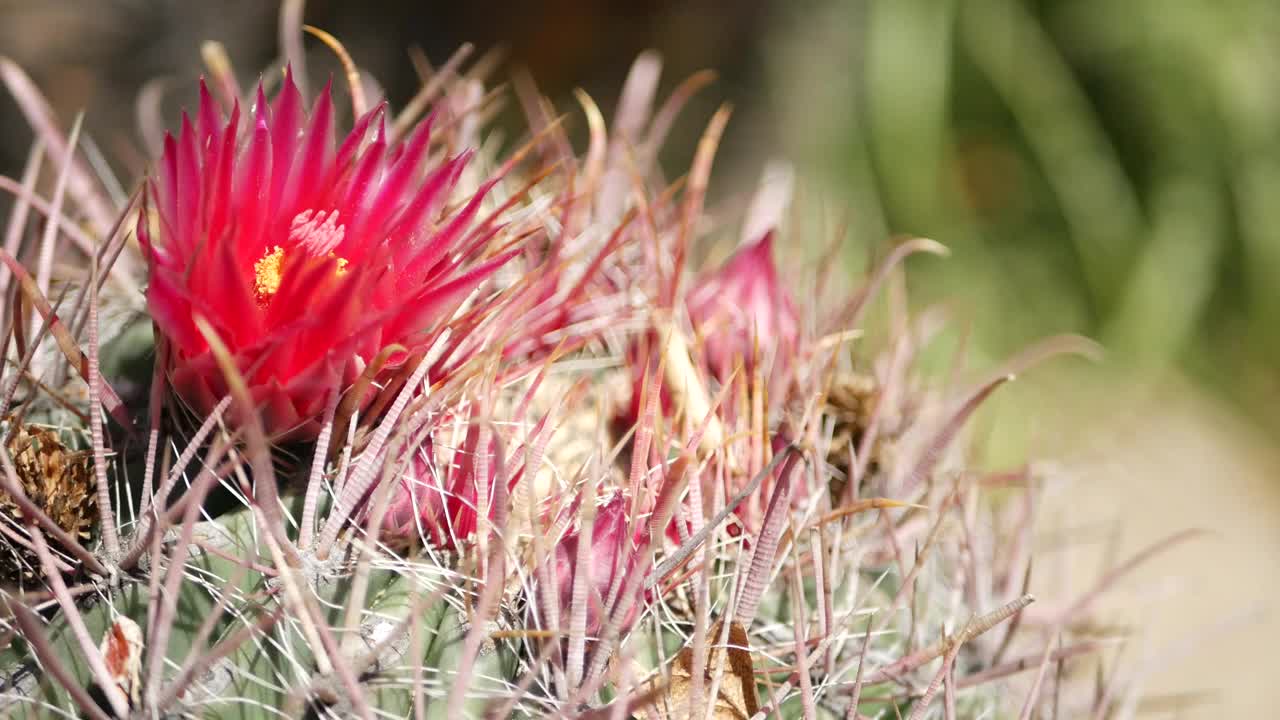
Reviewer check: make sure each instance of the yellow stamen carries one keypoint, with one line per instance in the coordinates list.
(267, 274)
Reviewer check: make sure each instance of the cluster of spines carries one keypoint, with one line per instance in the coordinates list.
(294, 601)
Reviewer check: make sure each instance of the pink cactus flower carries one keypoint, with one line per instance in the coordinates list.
(741, 311)
(306, 259)
(612, 553)
(437, 500)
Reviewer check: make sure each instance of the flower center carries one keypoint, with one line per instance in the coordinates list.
(316, 235)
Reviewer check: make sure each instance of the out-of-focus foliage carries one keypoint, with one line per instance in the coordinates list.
(1105, 167)
(100, 61)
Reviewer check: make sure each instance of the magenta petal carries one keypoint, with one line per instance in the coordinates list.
(171, 312)
(167, 199)
(431, 254)
(351, 146)
(189, 189)
(434, 193)
(218, 192)
(315, 155)
(395, 188)
(286, 119)
(433, 305)
(252, 184)
(363, 190)
(210, 118)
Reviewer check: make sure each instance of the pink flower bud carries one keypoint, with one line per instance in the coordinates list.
(438, 504)
(742, 312)
(612, 553)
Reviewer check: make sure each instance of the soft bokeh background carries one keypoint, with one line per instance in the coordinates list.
(1107, 168)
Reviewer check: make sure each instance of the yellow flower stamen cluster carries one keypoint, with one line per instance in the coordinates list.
(268, 273)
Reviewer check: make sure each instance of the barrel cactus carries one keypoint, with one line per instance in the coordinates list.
(430, 429)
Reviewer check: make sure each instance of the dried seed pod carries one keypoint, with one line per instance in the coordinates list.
(57, 480)
(850, 404)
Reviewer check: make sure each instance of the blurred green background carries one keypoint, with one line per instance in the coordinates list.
(1111, 168)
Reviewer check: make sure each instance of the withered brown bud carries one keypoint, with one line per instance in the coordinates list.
(57, 480)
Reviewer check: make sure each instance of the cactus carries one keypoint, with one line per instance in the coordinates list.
(361, 486)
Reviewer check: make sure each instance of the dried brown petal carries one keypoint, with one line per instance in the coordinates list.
(57, 480)
(122, 652)
(850, 404)
(736, 698)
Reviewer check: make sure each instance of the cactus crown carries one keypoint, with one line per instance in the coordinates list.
(431, 430)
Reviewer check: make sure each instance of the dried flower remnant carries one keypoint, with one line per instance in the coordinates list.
(307, 260)
(736, 697)
(851, 405)
(121, 650)
(57, 480)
